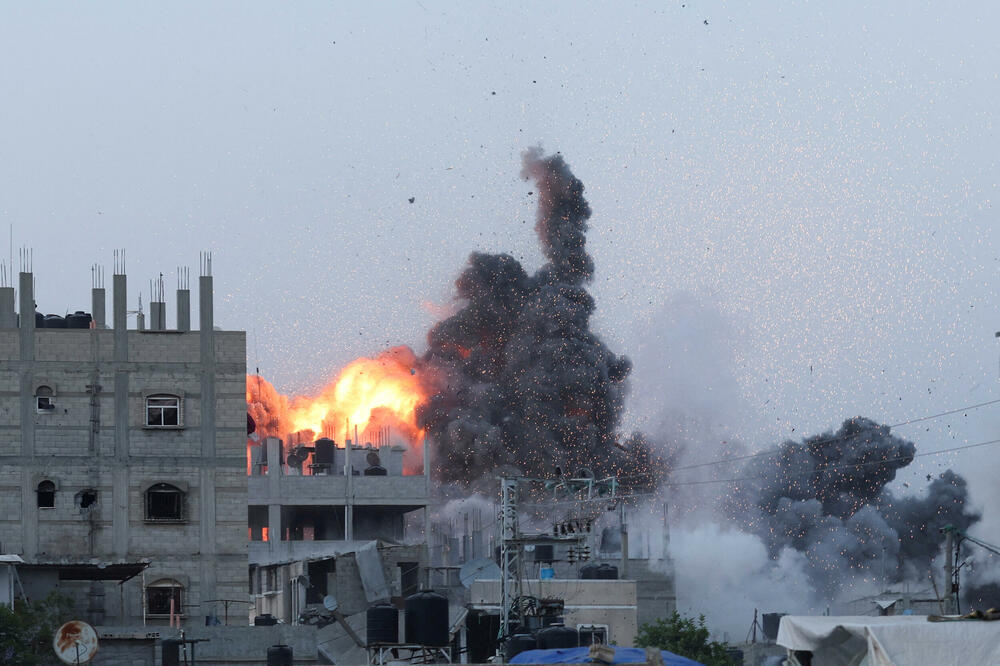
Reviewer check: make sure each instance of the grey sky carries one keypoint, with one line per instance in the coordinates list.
(814, 183)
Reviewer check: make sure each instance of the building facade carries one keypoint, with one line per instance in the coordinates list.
(122, 457)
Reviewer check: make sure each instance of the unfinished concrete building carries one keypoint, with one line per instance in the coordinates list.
(122, 456)
(329, 521)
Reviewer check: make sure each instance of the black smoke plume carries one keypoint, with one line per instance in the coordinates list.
(826, 497)
(520, 380)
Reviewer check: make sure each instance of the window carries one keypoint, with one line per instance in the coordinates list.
(164, 502)
(46, 495)
(163, 411)
(591, 634)
(43, 400)
(160, 594)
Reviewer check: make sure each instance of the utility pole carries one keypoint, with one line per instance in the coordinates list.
(949, 569)
(510, 554)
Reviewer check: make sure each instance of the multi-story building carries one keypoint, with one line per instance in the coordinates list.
(334, 527)
(122, 457)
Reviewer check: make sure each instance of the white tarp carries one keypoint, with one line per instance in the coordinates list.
(898, 640)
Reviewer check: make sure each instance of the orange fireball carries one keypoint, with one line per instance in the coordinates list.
(368, 396)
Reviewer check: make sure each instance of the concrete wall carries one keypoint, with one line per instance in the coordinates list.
(95, 438)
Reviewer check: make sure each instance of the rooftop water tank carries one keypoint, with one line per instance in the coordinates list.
(517, 644)
(427, 619)
(383, 624)
(78, 319)
(54, 321)
(557, 636)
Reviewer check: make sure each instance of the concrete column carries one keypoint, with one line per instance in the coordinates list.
(27, 340)
(120, 315)
(274, 526)
(119, 510)
(157, 316)
(8, 317)
(183, 309)
(98, 300)
(27, 317)
(208, 548)
(207, 332)
(29, 507)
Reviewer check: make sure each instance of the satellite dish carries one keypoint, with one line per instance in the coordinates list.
(481, 569)
(330, 603)
(75, 642)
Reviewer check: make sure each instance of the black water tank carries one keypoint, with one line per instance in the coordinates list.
(39, 320)
(265, 620)
(545, 553)
(324, 451)
(517, 644)
(279, 655)
(557, 636)
(427, 619)
(383, 624)
(170, 650)
(589, 572)
(771, 622)
(375, 470)
(735, 656)
(78, 319)
(54, 321)
(607, 572)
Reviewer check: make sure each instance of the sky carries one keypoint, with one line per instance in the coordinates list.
(794, 203)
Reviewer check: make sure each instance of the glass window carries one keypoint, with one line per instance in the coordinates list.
(163, 410)
(43, 400)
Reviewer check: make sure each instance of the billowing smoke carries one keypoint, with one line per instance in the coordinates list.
(520, 380)
(826, 497)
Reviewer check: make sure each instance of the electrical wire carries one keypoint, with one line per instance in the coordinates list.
(828, 440)
(756, 478)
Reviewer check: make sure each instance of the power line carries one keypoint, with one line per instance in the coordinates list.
(828, 440)
(757, 478)
(835, 467)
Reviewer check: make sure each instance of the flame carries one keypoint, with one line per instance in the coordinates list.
(369, 395)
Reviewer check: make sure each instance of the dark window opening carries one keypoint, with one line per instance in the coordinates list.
(318, 581)
(159, 596)
(163, 410)
(409, 578)
(46, 495)
(86, 498)
(43, 399)
(164, 502)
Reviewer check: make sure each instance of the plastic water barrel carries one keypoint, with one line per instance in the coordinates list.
(78, 319)
(607, 572)
(427, 619)
(557, 636)
(517, 644)
(589, 571)
(279, 655)
(383, 624)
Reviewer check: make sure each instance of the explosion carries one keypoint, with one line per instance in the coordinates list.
(514, 379)
(827, 498)
(370, 395)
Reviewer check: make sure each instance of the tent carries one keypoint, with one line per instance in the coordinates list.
(895, 640)
(581, 655)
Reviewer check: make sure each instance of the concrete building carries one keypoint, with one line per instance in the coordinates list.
(122, 456)
(328, 520)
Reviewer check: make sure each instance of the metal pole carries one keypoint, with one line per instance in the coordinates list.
(510, 554)
(949, 571)
(624, 537)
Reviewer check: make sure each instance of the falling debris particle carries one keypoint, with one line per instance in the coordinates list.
(705, 21)
(412, 199)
